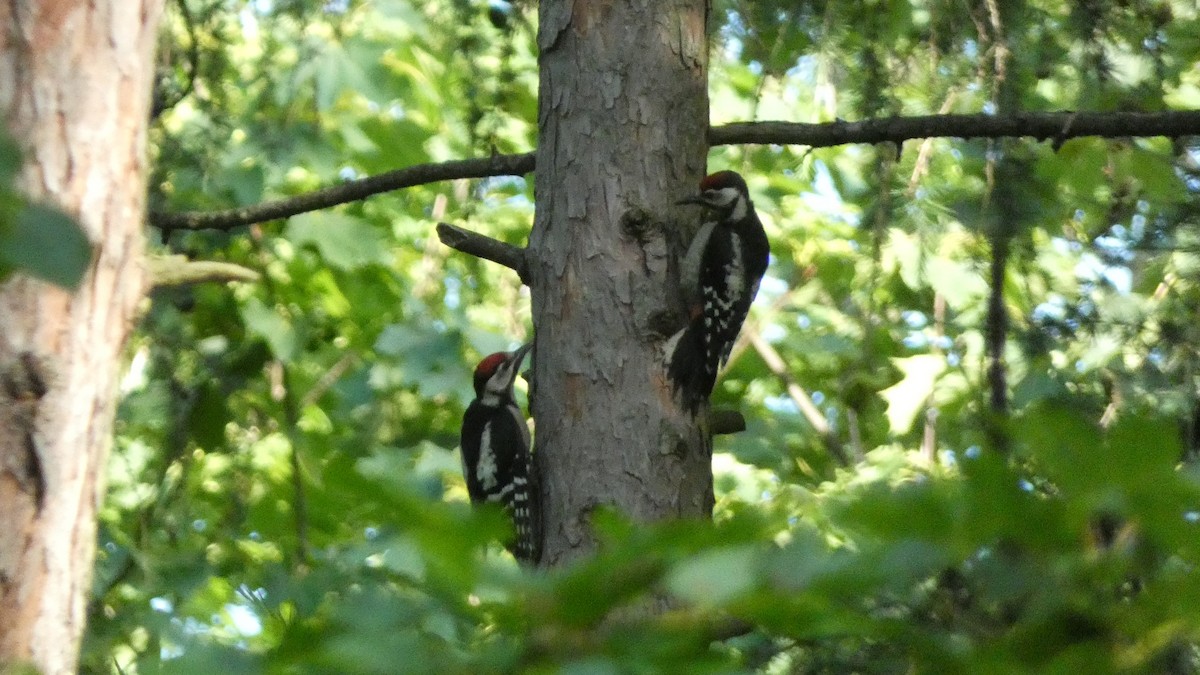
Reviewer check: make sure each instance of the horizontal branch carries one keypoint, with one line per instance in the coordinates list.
(177, 270)
(344, 193)
(1059, 126)
(480, 246)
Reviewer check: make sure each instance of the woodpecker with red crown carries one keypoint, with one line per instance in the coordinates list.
(720, 276)
(497, 463)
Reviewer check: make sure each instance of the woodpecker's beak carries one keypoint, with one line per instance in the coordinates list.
(519, 355)
(694, 199)
(514, 362)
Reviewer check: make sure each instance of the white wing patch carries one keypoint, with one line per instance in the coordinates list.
(735, 272)
(721, 315)
(486, 470)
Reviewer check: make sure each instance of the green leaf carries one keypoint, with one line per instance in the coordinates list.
(1157, 174)
(46, 243)
(715, 577)
(1037, 386)
(207, 418)
(269, 325)
(343, 241)
(957, 281)
(908, 396)
(428, 358)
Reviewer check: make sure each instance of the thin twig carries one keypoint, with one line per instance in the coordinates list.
(481, 246)
(921, 165)
(996, 334)
(283, 391)
(798, 395)
(350, 191)
(929, 439)
(327, 380)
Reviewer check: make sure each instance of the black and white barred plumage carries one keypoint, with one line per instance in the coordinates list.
(721, 274)
(497, 464)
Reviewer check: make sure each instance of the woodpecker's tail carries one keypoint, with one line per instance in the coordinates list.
(691, 375)
(524, 505)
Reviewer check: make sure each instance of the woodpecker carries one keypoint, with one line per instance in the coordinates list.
(496, 460)
(720, 277)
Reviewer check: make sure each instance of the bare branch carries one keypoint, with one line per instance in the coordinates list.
(327, 380)
(799, 396)
(176, 270)
(480, 246)
(1059, 126)
(351, 191)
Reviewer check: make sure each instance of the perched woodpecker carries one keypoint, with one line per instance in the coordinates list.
(720, 276)
(497, 464)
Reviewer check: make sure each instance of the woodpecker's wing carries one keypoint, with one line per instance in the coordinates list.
(726, 295)
(689, 270)
(475, 420)
(495, 441)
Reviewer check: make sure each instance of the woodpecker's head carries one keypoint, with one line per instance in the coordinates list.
(724, 192)
(495, 374)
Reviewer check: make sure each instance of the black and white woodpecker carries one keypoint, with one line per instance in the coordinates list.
(497, 464)
(720, 276)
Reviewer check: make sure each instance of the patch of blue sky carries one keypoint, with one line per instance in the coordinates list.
(781, 404)
(453, 296)
(914, 319)
(773, 333)
(243, 620)
(824, 197)
(1092, 268)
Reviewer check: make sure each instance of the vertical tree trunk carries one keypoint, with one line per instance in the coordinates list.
(75, 80)
(623, 119)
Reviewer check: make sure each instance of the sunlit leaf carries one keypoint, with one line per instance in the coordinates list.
(910, 395)
(270, 326)
(343, 241)
(716, 577)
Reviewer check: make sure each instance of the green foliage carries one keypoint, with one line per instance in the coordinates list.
(284, 492)
(35, 239)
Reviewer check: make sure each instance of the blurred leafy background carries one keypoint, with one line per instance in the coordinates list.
(284, 491)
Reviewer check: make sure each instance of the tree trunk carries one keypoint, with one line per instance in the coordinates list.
(623, 119)
(75, 80)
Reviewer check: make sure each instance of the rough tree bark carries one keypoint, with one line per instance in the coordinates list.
(75, 80)
(623, 116)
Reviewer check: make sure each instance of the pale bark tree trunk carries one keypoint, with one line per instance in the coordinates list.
(75, 79)
(623, 118)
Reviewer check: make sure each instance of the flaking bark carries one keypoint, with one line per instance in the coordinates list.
(623, 115)
(74, 93)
